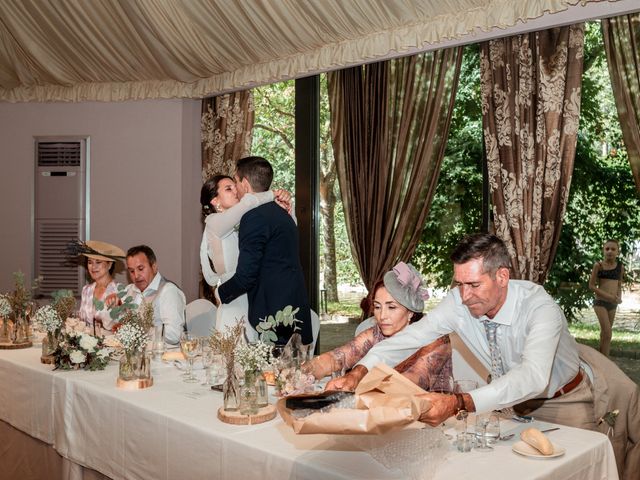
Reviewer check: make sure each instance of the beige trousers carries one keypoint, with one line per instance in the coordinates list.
(574, 409)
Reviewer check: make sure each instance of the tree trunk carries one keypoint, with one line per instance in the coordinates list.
(327, 215)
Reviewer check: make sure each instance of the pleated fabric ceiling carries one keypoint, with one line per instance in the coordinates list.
(107, 50)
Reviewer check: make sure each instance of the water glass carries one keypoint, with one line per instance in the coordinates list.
(487, 430)
(207, 360)
(465, 441)
(217, 369)
(158, 345)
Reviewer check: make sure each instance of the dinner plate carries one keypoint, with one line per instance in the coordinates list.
(527, 450)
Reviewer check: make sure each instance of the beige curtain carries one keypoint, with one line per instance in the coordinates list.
(138, 49)
(622, 44)
(226, 126)
(531, 106)
(389, 125)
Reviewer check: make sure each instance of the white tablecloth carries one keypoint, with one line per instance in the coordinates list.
(171, 431)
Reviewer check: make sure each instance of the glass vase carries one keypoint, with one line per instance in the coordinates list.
(19, 335)
(49, 344)
(4, 333)
(248, 395)
(143, 365)
(262, 392)
(231, 388)
(128, 366)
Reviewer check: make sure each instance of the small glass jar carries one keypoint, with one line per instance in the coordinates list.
(128, 366)
(248, 395)
(230, 387)
(49, 344)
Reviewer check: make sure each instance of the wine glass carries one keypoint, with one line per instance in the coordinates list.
(189, 345)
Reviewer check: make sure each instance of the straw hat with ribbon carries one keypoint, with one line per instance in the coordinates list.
(96, 249)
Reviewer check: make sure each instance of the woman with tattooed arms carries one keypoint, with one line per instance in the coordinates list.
(398, 300)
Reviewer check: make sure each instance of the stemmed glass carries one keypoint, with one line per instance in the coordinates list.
(189, 345)
(486, 426)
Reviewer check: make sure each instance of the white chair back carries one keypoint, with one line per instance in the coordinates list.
(363, 325)
(315, 329)
(201, 317)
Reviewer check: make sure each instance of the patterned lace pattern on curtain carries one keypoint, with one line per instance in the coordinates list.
(226, 125)
(622, 45)
(531, 107)
(389, 124)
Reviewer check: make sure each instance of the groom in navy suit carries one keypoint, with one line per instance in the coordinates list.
(269, 270)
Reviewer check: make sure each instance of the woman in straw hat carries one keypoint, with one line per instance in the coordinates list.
(100, 258)
(397, 301)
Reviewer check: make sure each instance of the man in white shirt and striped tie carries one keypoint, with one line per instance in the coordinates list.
(513, 327)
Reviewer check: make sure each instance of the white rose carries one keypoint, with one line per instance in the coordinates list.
(76, 356)
(88, 342)
(71, 322)
(103, 352)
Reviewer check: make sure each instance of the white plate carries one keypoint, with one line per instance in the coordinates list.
(527, 450)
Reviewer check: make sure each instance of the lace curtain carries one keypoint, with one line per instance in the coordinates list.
(622, 45)
(389, 125)
(226, 125)
(531, 105)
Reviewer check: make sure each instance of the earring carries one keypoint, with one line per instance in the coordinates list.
(218, 207)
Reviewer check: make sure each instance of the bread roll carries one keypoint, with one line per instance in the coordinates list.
(169, 356)
(537, 440)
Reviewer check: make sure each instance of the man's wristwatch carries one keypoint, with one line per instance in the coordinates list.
(461, 411)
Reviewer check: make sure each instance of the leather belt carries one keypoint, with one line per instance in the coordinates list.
(570, 386)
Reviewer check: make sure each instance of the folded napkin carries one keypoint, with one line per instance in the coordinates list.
(174, 355)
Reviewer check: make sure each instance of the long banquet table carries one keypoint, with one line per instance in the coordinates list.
(171, 431)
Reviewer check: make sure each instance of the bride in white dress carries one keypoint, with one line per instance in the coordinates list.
(219, 243)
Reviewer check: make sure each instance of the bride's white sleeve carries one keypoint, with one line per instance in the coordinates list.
(209, 275)
(221, 224)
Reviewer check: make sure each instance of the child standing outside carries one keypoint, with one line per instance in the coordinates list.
(606, 283)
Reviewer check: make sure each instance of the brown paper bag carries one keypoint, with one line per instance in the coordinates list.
(385, 400)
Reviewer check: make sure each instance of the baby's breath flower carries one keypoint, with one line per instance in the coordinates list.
(48, 319)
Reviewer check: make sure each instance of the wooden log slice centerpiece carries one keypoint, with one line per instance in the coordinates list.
(16, 346)
(236, 418)
(136, 384)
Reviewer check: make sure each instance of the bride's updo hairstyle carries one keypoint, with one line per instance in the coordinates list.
(209, 191)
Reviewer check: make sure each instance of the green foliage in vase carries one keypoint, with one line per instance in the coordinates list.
(21, 298)
(285, 317)
(64, 303)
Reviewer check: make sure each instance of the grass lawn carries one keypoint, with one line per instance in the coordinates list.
(624, 343)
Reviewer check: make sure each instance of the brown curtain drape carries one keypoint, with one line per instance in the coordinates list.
(530, 112)
(389, 125)
(622, 45)
(226, 125)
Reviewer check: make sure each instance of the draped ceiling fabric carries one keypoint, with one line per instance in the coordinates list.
(226, 125)
(389, 125)
(114, 50)
(530, 112)
(622, 45)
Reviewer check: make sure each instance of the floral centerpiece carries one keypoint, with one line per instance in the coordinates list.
(133, 338)
(50, 322)
(253, 358)
(224, 343)
(289, 378)
(77, 349)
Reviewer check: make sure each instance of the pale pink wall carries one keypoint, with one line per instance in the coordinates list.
(144, 160)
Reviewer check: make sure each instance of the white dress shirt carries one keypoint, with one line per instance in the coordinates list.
(168, 306)
(538, 353)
